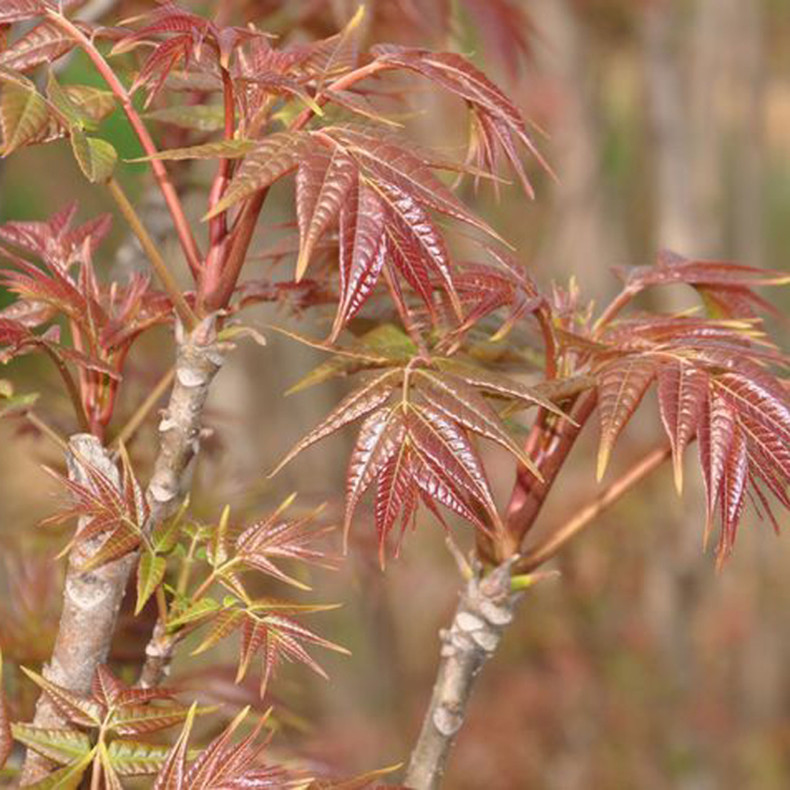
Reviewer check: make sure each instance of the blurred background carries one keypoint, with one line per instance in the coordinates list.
(668, 125)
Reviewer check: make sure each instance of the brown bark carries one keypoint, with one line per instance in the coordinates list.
(91, 600)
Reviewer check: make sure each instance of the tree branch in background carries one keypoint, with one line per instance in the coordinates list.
(558, 538)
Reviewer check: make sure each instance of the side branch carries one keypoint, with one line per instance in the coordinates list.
(152, 252)
(544, 551)
(484, 610)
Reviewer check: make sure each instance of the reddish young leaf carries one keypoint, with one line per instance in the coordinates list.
(682, 392)
(386, 163)
(363, 249)
(23, 10)
(265, 541)
(173, 772)
(498, 117)
(394, 494)
(76, 708)
(622, 384)
(439, 488)
(444, 447)
(379, 439)
(277, 154)
(104, 508)
(265, 630)
(462, 403)
(419, 246)
(733, 494)
(359, 403)
(323, 181)
(44, 43)
(237, 767)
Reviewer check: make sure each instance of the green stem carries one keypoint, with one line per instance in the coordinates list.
(186, 567)
(47, 430)
(160, 267)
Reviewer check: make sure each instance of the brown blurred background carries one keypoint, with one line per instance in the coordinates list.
(668, 125)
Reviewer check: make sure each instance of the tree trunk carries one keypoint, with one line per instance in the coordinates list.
(92, 599)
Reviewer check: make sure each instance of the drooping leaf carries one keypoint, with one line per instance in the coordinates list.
(94, 103)
(498, 118)
(150, 573)
(97, 158)
(24, 114)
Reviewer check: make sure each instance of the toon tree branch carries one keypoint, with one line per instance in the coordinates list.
(92, 599)
(485, 608)
(200, 358)
(548, 446)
